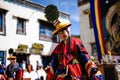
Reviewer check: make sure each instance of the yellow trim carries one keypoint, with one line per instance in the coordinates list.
(92, 66)
(60, 26)
(88, 63)
(98, 25)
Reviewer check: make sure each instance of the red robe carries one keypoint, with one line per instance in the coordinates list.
(73, 55)
(50, 75)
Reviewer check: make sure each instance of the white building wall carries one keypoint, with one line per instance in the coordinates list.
(86, 34)
(12, 40)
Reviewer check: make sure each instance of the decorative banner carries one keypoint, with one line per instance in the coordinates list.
(36, 48)
(106, 24)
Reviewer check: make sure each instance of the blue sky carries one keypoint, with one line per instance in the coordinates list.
(67, 6)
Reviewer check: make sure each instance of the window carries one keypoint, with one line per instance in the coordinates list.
(45, 31)
(90, 21)
(2, 22)
(88, 13)
(82, 2)
(94, 49)
(2, 56)
(21, 26)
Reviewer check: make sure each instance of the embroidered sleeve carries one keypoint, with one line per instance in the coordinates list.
(54, 62)
(90, 67)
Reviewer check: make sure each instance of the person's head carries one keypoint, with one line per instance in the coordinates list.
(63, 34)
(12, 59)
(61, 29)
(23, 61)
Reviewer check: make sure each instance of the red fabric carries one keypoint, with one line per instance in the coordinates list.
(75, 45)
(65, 59)
(59, 78)
(75, 69)
(2, 77)
(19, 75)
(50, 75)
(74, 42)
(89, 66)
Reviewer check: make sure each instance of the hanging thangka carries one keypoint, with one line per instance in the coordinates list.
(106, 24)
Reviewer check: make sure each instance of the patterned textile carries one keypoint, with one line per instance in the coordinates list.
(98, 77)
(50, 75)
(73, 55)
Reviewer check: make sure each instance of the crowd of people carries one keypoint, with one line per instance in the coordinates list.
(24, 71)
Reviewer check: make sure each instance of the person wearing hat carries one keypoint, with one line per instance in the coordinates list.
(12, 68)
(70, 60)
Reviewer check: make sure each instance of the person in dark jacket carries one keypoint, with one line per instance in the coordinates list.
(12, 68)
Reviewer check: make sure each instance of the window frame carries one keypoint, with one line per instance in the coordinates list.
(90, 21)
(3, 26)
(23, 26)
(3, 55)
(93, 49)
(52, 38)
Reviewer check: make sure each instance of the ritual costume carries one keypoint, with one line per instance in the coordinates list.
(70, 61)
(75, 56)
